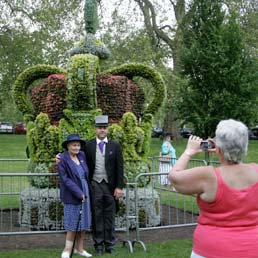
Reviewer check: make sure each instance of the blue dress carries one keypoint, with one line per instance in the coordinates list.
(72, 211)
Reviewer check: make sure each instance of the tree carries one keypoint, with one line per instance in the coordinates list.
(250, 25)
(168, 34)
(161, 22)
(163, 30)
(221, 73)
(32, 33)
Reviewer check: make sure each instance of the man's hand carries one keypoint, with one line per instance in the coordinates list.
(118, 193)
(57, 158)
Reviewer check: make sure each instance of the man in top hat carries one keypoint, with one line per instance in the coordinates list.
(105, 162)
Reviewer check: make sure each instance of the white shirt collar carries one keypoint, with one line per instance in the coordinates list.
(105, 140)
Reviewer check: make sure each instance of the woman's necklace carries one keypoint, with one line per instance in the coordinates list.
(75, 159)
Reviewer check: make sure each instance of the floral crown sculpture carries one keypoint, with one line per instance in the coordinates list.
(82, 80)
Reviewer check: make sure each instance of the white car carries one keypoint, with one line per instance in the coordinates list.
(6, 127)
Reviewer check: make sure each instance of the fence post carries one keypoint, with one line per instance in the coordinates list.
(128, 217)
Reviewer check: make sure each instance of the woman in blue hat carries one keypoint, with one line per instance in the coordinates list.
(74, 193)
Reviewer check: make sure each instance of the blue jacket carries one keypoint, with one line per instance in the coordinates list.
(71, 187)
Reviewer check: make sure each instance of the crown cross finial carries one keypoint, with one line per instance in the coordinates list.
(91, 16)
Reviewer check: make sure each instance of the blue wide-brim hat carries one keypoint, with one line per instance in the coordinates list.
(73, 138)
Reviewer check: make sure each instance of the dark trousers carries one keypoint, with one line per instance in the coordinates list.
(103, 215)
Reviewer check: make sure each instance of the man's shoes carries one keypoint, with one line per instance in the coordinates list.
(99, 252)
(111, 250)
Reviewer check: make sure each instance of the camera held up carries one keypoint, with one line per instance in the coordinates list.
(207, 144)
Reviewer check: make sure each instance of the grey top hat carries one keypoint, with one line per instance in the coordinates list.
(72, 138)
(101, 121)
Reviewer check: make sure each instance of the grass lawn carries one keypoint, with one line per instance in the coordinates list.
(175, 249)
(13, 146)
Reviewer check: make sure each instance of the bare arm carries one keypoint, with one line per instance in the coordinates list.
(195, 180)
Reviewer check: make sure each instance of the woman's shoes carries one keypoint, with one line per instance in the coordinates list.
(65, 254)
(83, 253)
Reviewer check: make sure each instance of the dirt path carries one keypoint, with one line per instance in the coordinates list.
(19, 242)
(43, 241)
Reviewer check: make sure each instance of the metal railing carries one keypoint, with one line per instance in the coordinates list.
(156, 204)
(149, 203)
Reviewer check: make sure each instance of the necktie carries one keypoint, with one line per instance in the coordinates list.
(101, 146)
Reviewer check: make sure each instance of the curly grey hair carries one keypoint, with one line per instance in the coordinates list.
(232, 139)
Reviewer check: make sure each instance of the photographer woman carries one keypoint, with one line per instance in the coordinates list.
(227, 195)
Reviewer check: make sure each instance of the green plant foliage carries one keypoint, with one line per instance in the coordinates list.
(56, 210)
(132, 137)
(81, 82)
(42, 139)
(116, 133)
(222, 75)
(143, 217)
(146, 125)
(22, 83)
(34, 213)
(133, 168)
(135, 144)
(40, 181)
(91, 16)
(157, 206)
(146, 72)
(78, 122)
(91, 45)
(122, 209)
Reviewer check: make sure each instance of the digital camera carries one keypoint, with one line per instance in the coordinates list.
(206, 144)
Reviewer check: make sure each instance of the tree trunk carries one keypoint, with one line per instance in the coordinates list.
(156, 34)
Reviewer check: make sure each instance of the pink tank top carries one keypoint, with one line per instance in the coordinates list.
(228, 227)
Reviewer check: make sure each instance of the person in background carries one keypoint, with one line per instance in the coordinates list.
(105, 161)
(74, 193)
(167, 158)
(227, 195)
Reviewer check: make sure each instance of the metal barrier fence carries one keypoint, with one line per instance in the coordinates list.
(150, 202)
(157, 204)
(25, 208)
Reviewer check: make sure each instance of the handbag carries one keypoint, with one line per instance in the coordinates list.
(165, 157)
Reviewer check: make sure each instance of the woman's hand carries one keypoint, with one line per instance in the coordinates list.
(57, 158)
(83, 198)
(193, 146)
